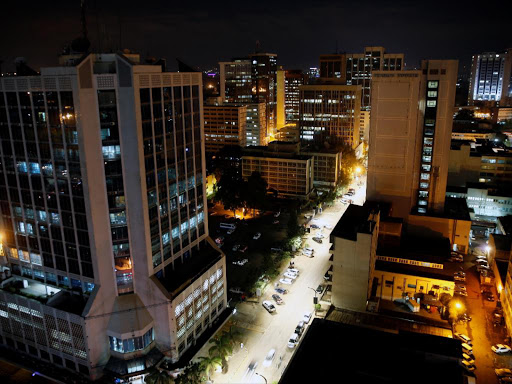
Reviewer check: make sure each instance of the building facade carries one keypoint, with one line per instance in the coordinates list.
(105, 270)
(357, 68)
(236, 81)
(491, 78)
(330, 113)
(410, 136)
(224, 124)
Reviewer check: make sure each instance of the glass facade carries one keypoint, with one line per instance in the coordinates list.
(41, 191)
(171, 130)
(133, 344)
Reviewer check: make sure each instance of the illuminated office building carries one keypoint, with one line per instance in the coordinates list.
(107, 264)
(491, 78)
(224, 124)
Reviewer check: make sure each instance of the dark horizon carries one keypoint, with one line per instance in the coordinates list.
(202, 34)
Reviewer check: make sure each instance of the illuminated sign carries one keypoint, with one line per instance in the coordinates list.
(410, 262)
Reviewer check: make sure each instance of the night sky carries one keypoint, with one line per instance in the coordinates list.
(205, 32)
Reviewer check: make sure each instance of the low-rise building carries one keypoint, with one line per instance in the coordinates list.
(483, 200)
(327, 166)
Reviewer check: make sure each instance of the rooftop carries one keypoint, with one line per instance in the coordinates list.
(502, 243)
(506, 223)
(357, 219)
(403, 357)
(196, 263)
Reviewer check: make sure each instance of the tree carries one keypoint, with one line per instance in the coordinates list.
(233, 335)
(210, 364)
(222, 348)
(229, 190)
(256, 191)
(157, 376)
(191, 375)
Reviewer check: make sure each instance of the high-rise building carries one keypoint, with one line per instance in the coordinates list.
(330, 113)
(288, 96)
(107, 257)
(491, 78)
(224, 124)
(313, 74)
(252, 80)
(410, 134)
(357, 68)
(256, 126)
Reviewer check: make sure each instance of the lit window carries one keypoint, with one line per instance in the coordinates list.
(431, 103)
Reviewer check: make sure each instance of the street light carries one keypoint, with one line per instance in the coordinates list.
(264, 378)
(315, 301)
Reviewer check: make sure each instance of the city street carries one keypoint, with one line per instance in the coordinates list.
(262, 331)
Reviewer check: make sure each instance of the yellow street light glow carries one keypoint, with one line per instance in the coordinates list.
(458, 305)
(358, 169)
(488, 249)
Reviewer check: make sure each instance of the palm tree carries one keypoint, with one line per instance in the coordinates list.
(210, 364)
(222, 347)
(157, 376)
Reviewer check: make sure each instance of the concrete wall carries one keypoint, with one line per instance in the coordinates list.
(463, 168)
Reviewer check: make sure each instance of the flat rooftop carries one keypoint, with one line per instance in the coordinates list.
(356, 219)
(335, 352)
(196, 263)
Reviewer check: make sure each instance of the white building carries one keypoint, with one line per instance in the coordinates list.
(107, 260)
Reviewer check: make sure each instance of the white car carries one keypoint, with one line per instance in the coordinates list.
(500, 348)
(290, 276)
(229, 232)
(307, 254)
(294, 271)
(463, 338)
(307, 317)
(277, 214)
(320, 235)
(286, 281)
(268, 359)
(256, 236)
(269, 306)
(308, 249)
(294, 339)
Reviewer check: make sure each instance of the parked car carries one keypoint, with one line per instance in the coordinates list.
(461, 293)
(268, 359)
(503, 372)
(219, 239)
(320, 289)
(277, 214)
(235, 290)
(468, 358)
(500, 348)
(308, 254)
(277, 299)
(460, 273)
(275, 222)
(256, 236)
(230, 231)
(282, 291)
(464, 317)
(269, 306)
(286, 281)
(294, 339)
(319, 241)
(490, 297)
(290, 276)
(309, 249)
(462, 337)
(466, 348)
(299, 329)
(236, 247)
(328, 227)
(320, 235)
(293, 270)
(307, 317)
(314, 226)
(459, 278)
(467, 366)
(506, 380)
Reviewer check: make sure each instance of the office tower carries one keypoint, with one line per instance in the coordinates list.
(410, 134)
(330, 113)
(491, 78)
(313, 74)
(224, 124)
(288, 96)
(236, 81)
(256, 126)
(103, 216)
(264, 86)
(357, 68)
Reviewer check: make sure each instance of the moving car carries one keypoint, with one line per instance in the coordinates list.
(256, 236)
(250, 370)
(500, 348)
(268, 359)
(307, 317)
(269, 306)
(294, 339)
(282, 291)
(463, 338)
(286, 281)
(319, 241)
(277, 299)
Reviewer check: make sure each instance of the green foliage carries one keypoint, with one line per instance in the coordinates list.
(157, 376)
(193, 374)
(210, 364)
(222, 347)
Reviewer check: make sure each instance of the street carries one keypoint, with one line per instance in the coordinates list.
(262, 331)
